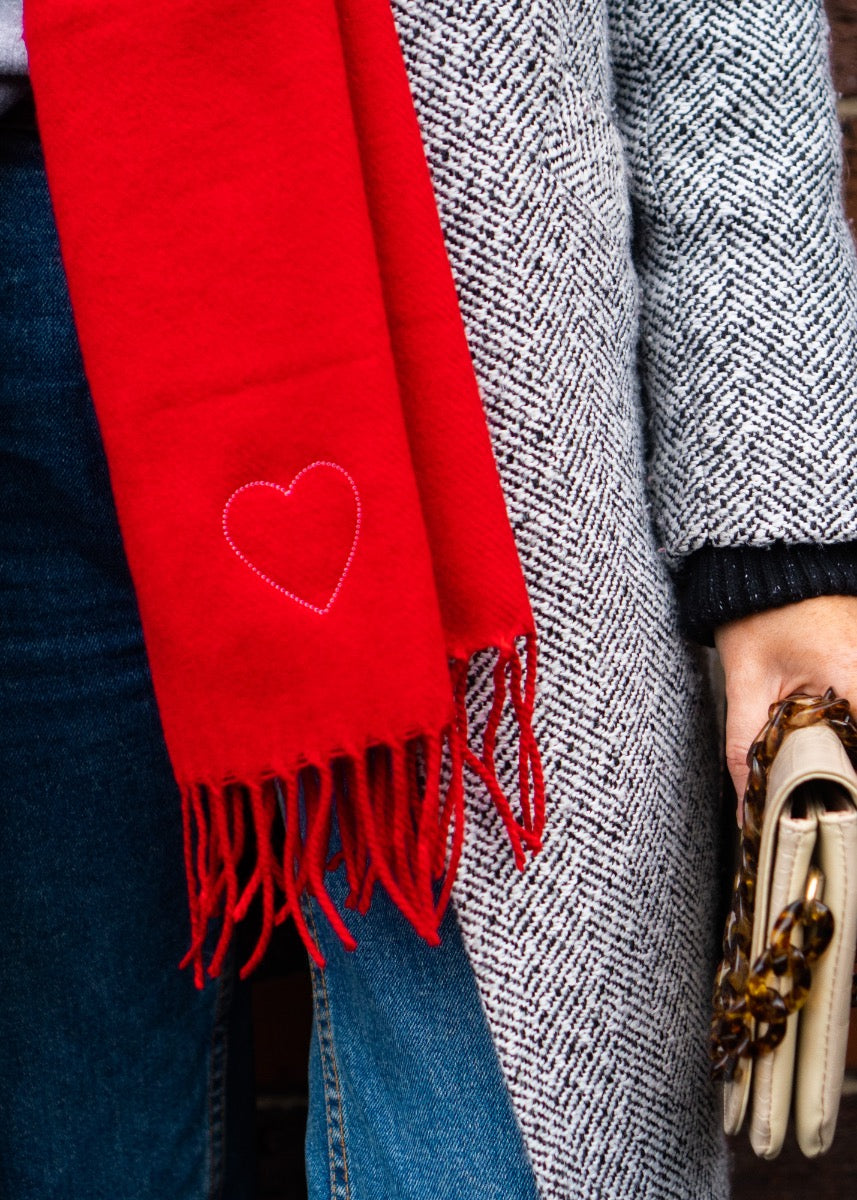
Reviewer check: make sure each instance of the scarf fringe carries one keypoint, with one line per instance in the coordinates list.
(400, 810)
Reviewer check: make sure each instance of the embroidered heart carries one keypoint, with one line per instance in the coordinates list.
(299, 539)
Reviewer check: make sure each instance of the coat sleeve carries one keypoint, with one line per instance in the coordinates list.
(747, 271)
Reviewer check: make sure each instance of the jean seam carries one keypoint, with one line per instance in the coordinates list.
(218, 1056)
(318, 1001)
(340, 1187)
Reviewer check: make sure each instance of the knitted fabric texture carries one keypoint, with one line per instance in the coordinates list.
(541, 123)
(720, 584)
(300, 460)
(747, 270)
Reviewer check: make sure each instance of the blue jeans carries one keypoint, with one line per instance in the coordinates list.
(118, 1079)
(407, 1101)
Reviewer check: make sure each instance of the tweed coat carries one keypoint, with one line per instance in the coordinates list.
(641, 203)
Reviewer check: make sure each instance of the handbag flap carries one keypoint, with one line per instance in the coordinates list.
(811, 754)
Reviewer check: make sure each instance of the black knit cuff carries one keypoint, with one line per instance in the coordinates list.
(718, 584)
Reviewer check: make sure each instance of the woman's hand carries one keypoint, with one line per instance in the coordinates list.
(805, 647)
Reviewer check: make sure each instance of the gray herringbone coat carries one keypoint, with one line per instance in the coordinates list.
(652, 385)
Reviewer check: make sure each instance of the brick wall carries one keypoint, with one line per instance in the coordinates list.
(843, 50)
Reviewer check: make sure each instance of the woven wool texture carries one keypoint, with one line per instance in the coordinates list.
(541, 122)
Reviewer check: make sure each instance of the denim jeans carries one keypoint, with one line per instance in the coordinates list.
(115, 1080)
(117, 1077)
(406, 1095)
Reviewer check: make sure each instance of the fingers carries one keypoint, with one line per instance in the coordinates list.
(754, 681)
(746, 713)
(804, 647)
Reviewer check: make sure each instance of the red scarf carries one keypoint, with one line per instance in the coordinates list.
(299, 456)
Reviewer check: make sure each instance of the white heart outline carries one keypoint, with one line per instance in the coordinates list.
(287, 491)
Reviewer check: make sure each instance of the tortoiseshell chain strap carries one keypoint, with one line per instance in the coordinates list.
(742, 992)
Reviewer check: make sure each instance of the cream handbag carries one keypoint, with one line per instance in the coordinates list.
(784, 990)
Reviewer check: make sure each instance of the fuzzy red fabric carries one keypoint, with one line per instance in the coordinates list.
(300, 461)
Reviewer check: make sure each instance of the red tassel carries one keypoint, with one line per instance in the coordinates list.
(430, 834)
(352, 853)
(363, 821)
(291, 861)
(486, 773)
(194, 903)
(261, 808)
(315, 853)
(230, 868)
(202, 855)
(403, 834)
(396, 825)
(379, 850)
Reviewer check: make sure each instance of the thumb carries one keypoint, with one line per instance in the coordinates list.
(746, 714)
